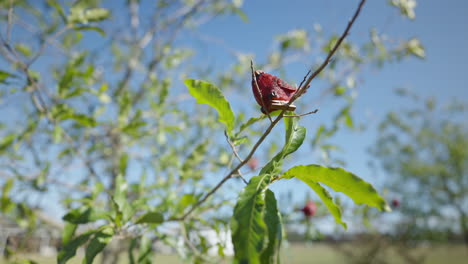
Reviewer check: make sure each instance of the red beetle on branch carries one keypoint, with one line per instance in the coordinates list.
(275, 92)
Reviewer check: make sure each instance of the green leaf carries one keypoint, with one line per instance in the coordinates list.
(85, 215)
(296, 40)
(68, 232)
(272, 218)
(151, 218)
(345, 115)
(69, 250)
(248, 223)
(327, 199)
(97, 29)
(185, 201)
(58, 8)
(123, 164)
(241, 14)
(7, 141)
(120, 198)
(57, 134)
(146, 251)
(23, 49)
(4, 75)
(6, 203)
(415, 48)
(341, 181)
(250, 122)
(97, 244)
(80, 15)
(191, 164)
(339, 90)
(96, 14)
(406, 7)
(84, 120)
(248, 227)
(206, 93)
(295, 136)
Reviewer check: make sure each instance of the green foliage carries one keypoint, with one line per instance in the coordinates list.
(6, 204)
(272, 218)
(84, 16)
(206, 93)
(97, 244)
(249, 230)
(426, 145)
(406, 7)
(295, 39)
(4, 75)
(69, 250)
(151, 218)
(341, 181)
(254, 221)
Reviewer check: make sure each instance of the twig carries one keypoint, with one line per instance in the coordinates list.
(44, 44)
(10, 21)
(330, 55)
(234, 150)
(254, 78)
(301, 115)
(303, 80)
(280, 116)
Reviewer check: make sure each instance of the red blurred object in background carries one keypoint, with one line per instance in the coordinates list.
(253, 163)
(274, 92)
(395, 203)
(309, 209)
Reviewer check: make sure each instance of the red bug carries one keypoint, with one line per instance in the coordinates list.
(395, 203)
(309, 209)
(275, 92)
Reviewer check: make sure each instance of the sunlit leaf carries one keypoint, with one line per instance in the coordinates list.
(146, 251)
(6, 203)
(23, 49)
(341, 181)
(327, 199)
(272, 218)
(249, 230)
(206, 93)
(7, 141)
(90, 28)
(151, 218)
(295, 136)
(58, 8)
(4, 75)
(68, 232)
(84, 120)
(69, 249)
(250, 122)
(85, 215)
(97, 244)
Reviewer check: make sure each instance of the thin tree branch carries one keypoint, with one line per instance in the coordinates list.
(10, 21)
(44, 44)
(234, 150)
(301, 115)
(330, 55)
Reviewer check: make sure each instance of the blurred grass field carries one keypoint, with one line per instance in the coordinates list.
(302, 254)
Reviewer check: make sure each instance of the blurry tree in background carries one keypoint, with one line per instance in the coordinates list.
(424, 149)
(95, 116)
